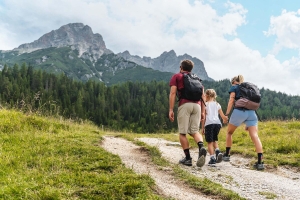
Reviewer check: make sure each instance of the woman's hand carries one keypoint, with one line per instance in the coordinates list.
(225, 119)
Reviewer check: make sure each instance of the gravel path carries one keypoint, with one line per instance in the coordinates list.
(235, 175)
(136, 158)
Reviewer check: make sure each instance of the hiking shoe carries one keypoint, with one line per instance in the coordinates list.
(201, 158)
(226, 158)
(219, 156)
(259, 166)
(212, 161)
(185, 161)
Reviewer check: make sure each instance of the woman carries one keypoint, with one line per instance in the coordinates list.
(239, 116)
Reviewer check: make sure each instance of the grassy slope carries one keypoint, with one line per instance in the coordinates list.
(43, 158)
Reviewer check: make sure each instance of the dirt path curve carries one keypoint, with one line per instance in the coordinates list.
(236, 175)
(136, 158)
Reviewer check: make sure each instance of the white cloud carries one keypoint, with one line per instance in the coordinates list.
(286, 28)
(148, 28)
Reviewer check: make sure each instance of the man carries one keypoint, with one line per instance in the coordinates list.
(189, 114)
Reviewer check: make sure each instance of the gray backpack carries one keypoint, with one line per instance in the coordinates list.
(250, 96)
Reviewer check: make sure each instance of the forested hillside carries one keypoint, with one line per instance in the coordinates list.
(132, 106)
(109, 68)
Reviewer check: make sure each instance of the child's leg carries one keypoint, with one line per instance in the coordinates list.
(215, 145)
(210, 147)
(219, 155)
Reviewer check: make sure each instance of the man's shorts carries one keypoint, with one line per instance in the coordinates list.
(212, 132)
(243, 116)
(188, 118)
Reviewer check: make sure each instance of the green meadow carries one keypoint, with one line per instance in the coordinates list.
(51, 158)
(46, 158)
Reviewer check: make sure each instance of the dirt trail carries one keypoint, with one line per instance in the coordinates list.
(136, 158)
(235, 175)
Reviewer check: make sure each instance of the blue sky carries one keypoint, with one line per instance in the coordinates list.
(258, 39)
(258, 21)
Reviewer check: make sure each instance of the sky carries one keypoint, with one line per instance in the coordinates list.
(258, 39)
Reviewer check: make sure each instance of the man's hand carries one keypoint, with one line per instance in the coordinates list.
(171, 115)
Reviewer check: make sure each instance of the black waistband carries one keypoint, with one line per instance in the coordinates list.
(241, 108)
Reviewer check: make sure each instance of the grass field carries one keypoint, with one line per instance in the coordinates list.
(48, 158)
(43, 158)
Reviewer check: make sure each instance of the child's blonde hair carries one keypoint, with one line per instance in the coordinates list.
(211, 94)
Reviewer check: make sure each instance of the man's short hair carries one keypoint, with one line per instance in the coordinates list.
(187, 65)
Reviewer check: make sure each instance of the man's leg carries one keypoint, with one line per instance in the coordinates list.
(183, 122)
(202, 151)
(185, 146)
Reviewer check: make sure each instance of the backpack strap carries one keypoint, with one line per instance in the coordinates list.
(257, 116)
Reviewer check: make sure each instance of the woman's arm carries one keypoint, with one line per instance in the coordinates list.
(230, 103)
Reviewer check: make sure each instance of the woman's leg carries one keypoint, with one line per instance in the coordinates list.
(231, 128)
(253, 132)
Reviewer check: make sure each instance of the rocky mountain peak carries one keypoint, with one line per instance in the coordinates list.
(168, 61)
(76, 35)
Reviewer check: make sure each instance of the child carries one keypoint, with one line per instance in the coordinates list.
(212, 125)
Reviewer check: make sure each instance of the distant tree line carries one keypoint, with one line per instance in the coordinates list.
(140, 107)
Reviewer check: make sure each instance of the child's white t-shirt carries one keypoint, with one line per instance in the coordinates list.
(212, 113)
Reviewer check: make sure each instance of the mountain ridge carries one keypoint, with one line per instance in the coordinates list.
(168, 61)
(90, 47)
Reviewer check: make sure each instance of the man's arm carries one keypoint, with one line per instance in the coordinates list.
(172, 98)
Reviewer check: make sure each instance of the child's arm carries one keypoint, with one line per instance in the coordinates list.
(224, 117)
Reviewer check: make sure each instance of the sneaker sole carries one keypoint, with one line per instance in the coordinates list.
(200, 161)
(219, 158)
(202, 152)
(258, 168)
(225, 159)
(186, 164)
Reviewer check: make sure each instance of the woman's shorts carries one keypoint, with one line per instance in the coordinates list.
(243, 116)
(212, 132)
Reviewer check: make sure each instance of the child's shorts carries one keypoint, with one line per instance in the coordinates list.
(212, 132)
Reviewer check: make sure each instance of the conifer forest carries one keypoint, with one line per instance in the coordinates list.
(140, 107)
